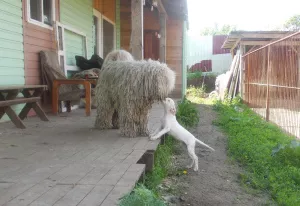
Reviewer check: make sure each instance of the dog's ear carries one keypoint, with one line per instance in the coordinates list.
(173, 110)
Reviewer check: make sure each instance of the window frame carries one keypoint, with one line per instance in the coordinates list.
(99, 38)
(39, 23)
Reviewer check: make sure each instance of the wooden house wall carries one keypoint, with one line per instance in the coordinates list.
(125, 21)
(151, 19)
(11, 46)
(106, 8)
(174, 51)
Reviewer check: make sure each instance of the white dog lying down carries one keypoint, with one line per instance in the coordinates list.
(171, 126)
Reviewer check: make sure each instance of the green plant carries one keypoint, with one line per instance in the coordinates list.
(187, 114)
(196, 91)
(197, 95)
(141, 196)
(194, 75)
(270, 157)
(162, 165)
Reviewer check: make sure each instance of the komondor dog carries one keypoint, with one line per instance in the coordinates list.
(116, 55)
(132, 87)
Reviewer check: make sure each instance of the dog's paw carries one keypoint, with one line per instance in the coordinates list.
(195, 169)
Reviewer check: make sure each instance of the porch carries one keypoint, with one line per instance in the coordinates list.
(67, 162)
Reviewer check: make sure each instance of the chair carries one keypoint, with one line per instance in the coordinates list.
(64, 89)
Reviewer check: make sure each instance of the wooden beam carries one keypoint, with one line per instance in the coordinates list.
(241, 78)
(160, 7)
(254, 43)
(262, 43)
(163, 37)
(260, 35)
(235, 45)
(137, 27)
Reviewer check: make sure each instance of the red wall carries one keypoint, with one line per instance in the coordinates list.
(218, 41)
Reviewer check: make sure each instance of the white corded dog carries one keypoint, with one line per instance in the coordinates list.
(171, 126)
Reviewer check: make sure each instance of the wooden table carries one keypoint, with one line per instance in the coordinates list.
(32, 94)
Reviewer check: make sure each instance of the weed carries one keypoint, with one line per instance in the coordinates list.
(271, 157)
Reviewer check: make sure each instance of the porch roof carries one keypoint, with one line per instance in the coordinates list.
(176, 8)
(253, 38)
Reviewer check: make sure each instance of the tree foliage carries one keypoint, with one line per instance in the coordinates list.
(217, 30)
(293, 23)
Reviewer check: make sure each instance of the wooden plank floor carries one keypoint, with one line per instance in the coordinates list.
(67, 162)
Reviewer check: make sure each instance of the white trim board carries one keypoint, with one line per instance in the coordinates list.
(63, 51)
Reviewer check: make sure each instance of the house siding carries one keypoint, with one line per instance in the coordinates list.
(11, 43)
(11, 46)
(106, 8)
(78, 15)
(36, 39)
(174, 57)
(125, 16)
(118, 24)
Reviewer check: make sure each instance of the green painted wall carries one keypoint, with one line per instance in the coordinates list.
(118, 25)
(11, 45)
(77, 14)
(184, 59)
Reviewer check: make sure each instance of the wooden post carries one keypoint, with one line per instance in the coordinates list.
(241, 82)
(248, 83)
(137, 27)
(163, 37)
(268, 87)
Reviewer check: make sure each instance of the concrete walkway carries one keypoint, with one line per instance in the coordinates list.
(66, 162)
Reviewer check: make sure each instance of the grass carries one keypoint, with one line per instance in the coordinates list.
(271, 157)
(147, 194)
(198, 95)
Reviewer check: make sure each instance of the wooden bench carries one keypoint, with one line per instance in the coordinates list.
(32, 95)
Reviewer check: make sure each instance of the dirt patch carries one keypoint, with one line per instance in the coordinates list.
(216, 182)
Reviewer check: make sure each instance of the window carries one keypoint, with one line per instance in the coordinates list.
(104, 36)
(108, 37)
(41, 12)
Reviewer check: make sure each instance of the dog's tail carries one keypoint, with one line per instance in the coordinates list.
(204, 144)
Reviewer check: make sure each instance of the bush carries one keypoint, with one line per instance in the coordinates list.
(271, 157)
(193, 75)
(141, 196)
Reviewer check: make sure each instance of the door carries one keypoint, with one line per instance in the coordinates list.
(151, 45)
